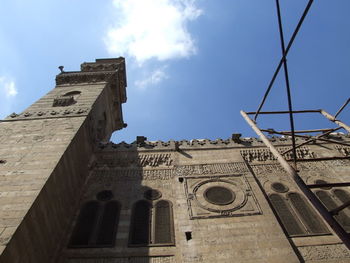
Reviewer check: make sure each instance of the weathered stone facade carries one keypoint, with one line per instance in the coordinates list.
(206, 201)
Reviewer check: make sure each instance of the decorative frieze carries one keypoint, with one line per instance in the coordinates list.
(211, 169)
(262, 155)
(344, 150)
(63, 101)
(84, 77)
(149, 259)
(276, 168)
(94, 67)
(116, 175)
(49, 113)
(133, 159)
(327, 252)
(155, 159)
(267, 169)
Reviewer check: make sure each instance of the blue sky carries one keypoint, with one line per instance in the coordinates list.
(192, 65)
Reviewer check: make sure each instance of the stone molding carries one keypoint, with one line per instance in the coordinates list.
(344, 150)
(98, 67)
(109, 176)
(327, 252)
(136, 160)
(263, 155)
(210, 169)
(55, 112)
(147, 259)
(84, 77)
(280, 142)
(308, 169)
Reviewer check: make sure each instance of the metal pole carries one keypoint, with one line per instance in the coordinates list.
(283, 112)
(332, 118)
(301, 20)
(312, 139)
(341, 108)
(310, 131)
(302, 186)
(289, 96)
(306, 137)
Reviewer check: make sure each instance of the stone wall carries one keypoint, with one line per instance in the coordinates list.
(45, 155)
(246, 229)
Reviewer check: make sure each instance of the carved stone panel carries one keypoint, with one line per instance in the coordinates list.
(129, 159)
(149, 259)
(110, 176)
(263, 155)
(344, 150)
(211, 169)
(324, 253)
(220, 196)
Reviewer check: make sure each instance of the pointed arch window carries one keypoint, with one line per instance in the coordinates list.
(332, 200)
(310, 219)
(96, 225)
(283, 209)
(296, 215)
(152, 225)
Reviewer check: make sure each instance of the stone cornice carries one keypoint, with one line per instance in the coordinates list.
(84, 77)
(50, 113)
(205, 144)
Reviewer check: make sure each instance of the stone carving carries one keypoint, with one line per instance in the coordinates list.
(155, 159)
(330, 252)
(141, 160)
(267, 169)
(150, 259)
(86, 77)
(63, 101)
(235, 198)
(86, 67)
(111, 176)
(322, 165)
(263, 155)
(51, 113)
(344, 150)
(211, 169)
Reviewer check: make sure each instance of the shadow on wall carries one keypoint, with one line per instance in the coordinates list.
(119, 219)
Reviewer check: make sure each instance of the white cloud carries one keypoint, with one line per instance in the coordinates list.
(149, 29)
(155, 77)
(8, 87)
(8, 94)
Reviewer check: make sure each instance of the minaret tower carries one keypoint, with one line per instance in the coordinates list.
(45, 153)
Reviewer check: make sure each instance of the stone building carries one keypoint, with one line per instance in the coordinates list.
(69, 195)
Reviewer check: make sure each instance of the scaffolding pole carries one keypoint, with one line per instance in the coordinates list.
(327, 216)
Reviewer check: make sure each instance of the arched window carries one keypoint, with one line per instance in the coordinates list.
(331, 202)
(152, 225)
(85, 224)
(163, 230)
(108, 224)
(296, 215)
(141, 221)
(96, 225)
(288, 219)
(308, 216)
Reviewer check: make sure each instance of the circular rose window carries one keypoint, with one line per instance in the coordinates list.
(219, 195)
